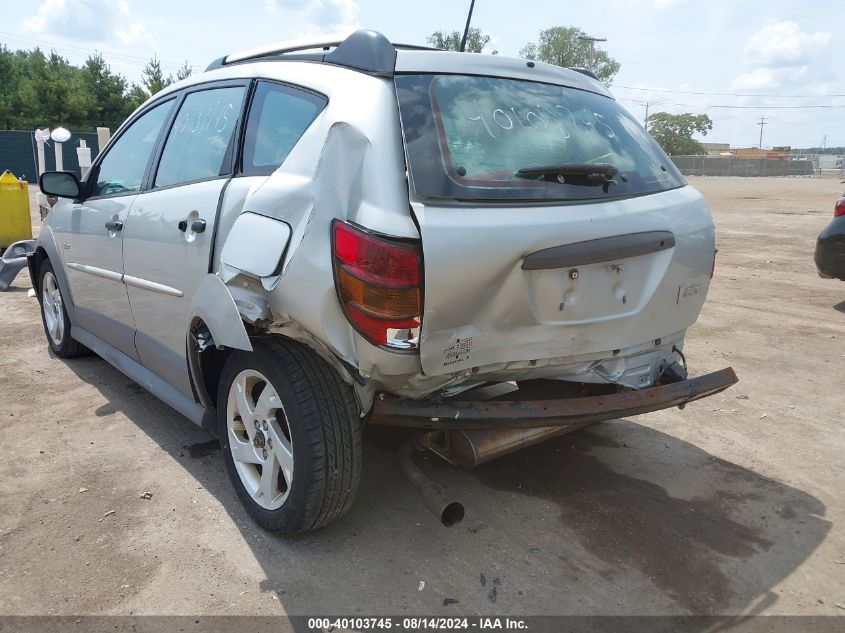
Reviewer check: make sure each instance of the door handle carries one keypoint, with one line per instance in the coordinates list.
(197, 226)
(114, 225)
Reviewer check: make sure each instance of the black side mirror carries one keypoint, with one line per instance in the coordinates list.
(60, 184)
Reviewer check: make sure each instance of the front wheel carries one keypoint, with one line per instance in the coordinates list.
(291, 436)
(54, 315)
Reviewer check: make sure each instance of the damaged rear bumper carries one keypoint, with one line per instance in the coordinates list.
(550, 410)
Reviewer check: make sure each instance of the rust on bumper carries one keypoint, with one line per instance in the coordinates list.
(553, 412)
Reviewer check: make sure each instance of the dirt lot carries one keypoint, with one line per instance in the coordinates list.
(734, 505)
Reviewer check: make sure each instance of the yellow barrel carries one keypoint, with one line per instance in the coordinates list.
(15, 223)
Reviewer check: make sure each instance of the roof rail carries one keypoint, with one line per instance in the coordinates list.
(324, 41)
(584, 71)
(367, 51)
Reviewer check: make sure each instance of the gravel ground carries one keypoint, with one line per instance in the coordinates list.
(734, 505)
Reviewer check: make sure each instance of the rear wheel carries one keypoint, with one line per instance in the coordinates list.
(54, 316)
(291, 436)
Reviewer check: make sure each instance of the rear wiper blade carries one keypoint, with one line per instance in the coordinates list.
(595, 174)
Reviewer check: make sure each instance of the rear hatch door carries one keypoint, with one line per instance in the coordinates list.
(549, 266)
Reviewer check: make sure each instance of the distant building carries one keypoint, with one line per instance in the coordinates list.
(716, 149)
(724, 150)
(829, 161)
(776, 153)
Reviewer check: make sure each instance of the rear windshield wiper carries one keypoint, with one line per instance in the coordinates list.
(591, 174)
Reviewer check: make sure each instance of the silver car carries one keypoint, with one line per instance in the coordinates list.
(322, 234)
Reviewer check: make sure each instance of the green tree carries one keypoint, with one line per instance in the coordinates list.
(10, 79)
(674, 131)
(50, 93)
(105, 93)
(135, 96)
(39, 90)
(184, 72)
(153, 77)
(563, 46)
(451, 40)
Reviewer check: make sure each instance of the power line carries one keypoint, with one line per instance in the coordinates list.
(592, 41)
(761, 124)
(739, 107)
(676, 60)
(130, 60)
(726, 94)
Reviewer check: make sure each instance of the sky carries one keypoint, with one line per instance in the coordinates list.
(735, 60)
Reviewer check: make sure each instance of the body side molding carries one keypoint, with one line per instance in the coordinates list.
(97, 272)
(152, 286)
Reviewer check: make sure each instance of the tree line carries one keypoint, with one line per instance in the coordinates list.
(39, 89)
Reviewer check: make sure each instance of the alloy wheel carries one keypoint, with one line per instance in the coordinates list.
(259, 439)
(54, 317)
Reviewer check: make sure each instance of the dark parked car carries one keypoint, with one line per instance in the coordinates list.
(830, 247)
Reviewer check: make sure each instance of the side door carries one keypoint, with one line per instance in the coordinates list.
(169, 235)
(91, 242)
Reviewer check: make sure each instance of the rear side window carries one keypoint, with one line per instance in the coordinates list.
(122, 168)
(201, 142)
(278, 117)
(466, 138)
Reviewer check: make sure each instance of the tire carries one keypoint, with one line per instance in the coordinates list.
(306, 439)
(54, 316)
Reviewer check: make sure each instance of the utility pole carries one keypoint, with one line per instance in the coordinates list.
(592, 41)
(646, 115)
(466, 28)
(761, 124)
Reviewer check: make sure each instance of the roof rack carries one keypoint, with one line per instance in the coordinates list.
(308, 42)
(368, 51)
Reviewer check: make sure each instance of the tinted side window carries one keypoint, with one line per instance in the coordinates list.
(122, 169)
(278, 117)
(201, 141)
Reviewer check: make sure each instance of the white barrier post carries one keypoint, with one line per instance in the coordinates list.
(41, 136)
(59, 136)
(103, 136)
(60, 165)
(83, 153)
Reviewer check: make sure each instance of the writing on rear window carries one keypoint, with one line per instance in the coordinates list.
(505, 119)
(479, 132)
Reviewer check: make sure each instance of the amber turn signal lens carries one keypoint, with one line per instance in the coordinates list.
(380, 301)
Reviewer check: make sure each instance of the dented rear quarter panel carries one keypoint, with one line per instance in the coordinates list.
(349, 164)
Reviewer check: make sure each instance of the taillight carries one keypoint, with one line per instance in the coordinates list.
(839, 209)
(379, 285)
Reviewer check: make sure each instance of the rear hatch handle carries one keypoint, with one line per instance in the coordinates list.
(604, 249)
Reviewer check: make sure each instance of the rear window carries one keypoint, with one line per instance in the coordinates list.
(466, 138)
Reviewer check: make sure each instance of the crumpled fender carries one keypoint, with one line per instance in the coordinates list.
(213, 304)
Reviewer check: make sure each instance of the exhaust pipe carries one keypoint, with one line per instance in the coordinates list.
(433, 495)
(470, 448)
